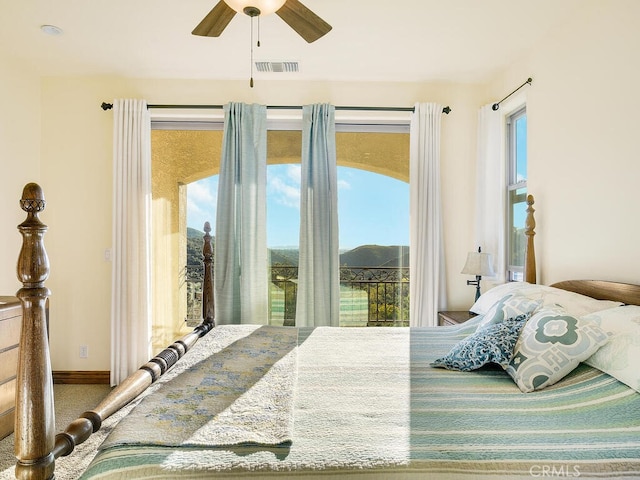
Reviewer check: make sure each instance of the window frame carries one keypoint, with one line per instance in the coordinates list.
(513, 272)
(277, 119)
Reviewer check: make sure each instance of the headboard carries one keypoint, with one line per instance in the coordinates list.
(603, 290)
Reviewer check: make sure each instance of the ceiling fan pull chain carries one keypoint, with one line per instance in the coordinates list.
(251, 80)
(258, 44)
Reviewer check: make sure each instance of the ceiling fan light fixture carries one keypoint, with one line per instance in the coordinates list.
(265, 7)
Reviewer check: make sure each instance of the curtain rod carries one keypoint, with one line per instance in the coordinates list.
(496, 105)
(108, 106)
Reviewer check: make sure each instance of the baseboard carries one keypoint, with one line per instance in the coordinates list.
(82, 377)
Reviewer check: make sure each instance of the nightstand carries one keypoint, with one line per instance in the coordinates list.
(454, 317)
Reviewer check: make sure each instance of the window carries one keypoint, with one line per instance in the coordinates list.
(373, 216)
(184, 175)
(516, 193)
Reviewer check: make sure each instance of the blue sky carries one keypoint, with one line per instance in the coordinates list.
(372, 208)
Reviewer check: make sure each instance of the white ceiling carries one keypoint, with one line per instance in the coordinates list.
(372, 40)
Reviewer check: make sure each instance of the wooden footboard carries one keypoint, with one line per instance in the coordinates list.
(36, 445)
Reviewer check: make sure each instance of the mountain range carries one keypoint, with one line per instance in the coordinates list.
(362, 256)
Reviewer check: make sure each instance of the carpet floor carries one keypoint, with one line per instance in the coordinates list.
(70, 402)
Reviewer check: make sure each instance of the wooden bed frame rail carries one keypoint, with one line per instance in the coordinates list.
(36, 445)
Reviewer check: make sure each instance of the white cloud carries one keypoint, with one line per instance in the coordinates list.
(284, 191)
(201, 202)
(294, 173)
(284, 185)
(344, 185)
(200, 192)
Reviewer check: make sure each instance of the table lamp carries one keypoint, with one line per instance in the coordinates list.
(478, 264)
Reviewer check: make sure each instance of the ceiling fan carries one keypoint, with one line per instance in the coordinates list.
(306, 23)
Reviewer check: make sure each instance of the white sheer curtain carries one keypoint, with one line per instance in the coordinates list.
(427, 290)
(318, 301)
(490, 189)
(131, 268)
(240, 269)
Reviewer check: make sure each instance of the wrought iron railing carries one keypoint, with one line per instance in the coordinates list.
(387, 291)
(371, 296)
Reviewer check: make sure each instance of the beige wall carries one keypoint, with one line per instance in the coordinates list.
(19, 159)
(583, 162)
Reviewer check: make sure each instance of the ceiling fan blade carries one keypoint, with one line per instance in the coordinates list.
(216, 21)
(306, 23)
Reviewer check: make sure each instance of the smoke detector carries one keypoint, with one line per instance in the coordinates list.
(51, 30)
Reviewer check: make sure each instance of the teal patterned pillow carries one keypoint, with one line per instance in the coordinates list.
(492, 344)
(509, 306)
(550, 346)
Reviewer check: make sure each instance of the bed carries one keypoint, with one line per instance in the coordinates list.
(541, 383)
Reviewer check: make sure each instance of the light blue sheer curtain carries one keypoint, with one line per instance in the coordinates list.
(240, 270)
(318, 301)
(427, 287)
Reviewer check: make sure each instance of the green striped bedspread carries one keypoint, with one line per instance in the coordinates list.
(368, 405)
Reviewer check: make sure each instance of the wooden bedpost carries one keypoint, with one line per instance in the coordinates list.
(208, 305)
(36, 445)
(529, 252)
(35, 417)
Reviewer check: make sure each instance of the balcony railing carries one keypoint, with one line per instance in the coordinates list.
(369, 296)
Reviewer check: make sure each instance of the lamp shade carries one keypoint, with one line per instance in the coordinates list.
(265, 6)
(479, 264)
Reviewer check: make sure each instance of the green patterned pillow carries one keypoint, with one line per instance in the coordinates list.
(509, 306)
(550, 346)
(492, 344)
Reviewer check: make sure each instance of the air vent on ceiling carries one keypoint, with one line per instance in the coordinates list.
(286, 67)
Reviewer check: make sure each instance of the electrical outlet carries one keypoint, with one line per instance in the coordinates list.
(84, 351)
(107, 254)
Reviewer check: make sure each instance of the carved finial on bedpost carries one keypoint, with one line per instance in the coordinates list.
(529, 253)
(208, 304)
(35, 420)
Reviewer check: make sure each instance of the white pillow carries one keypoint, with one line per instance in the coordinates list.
(493, 296)
(510, 306)
(620, 357)
(574, 303)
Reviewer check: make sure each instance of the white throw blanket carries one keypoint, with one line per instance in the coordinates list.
(351, 407)
(242, 394)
